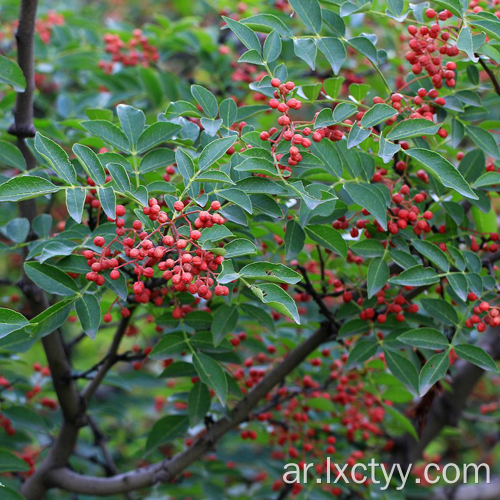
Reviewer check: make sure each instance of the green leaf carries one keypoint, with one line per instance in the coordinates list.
(370, 198)
(107, 198)
(199, 402)
(120, 176)
(472, 165)
(321, 404)
(257, 166)
(178, 369)
(416, 276)
(368, 248)
(487, 179)
(263, 317)
(17, 229)
(75, 201)
(198, 320)
(171, 343)
(459, 284)
(401, 421)
(108, 132)
(334, 51)
(185, 164)
(377, 114)
(11, 156)
(272, 47)
(357, 135)
(11, 321)
(238, 197)
(228, 111)
(266, 23)
(132, 121)
(443, 170)
(309, 12)
(89, 314)
(387, 149)
(206, 100)
(326, 152)
(328, 237)
(51, 319)
(277, 298)
(211, 126)
(91, 164)
(464, 42)
(362, 350)
(212, 374)
(477, 356)
(433, 253)
(416, 127)
(377, 277)
(246, 35)
(294, 240)
(364, 47)
(306, 49)
(156, 134)
(454, 6)
(50, 278)
(11, 74)
(403, 370)
(425, 338)
(56, 157)
(333, 86)
(487, 22)
(435, 369)
(215, 233)
(11, 463)
(441, 311)
(352, 327)
(238, 247)
(483, 140)
(343, 110)
(225, 319)
(214, 176)
(167, 429)
(42, 224)
(214, 151)
(270, 271)
(10, 494)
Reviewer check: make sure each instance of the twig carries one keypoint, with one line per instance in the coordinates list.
(110, 359)
(493, 78)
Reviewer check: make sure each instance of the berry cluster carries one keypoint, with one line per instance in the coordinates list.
(44, 26)
(404, 212)
(136, 51)
(6, 425)
(425, 54)
(483, 314)
(284, 104)
(170, 249)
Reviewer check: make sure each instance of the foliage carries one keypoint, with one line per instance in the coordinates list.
(214, 191)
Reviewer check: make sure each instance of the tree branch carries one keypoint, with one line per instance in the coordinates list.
(168, 469)
(23, 111)
(493, 78)
(446, 409)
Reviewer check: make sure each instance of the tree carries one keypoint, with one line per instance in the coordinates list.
(295, 261)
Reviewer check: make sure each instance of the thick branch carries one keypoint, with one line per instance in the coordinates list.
(447, 408)
(23, 111)
(168, 469)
